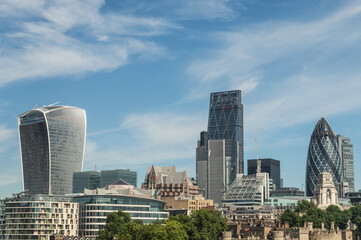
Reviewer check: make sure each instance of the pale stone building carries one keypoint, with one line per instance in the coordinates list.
(325, 193)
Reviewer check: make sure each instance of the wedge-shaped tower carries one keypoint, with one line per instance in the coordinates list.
(323, 156)
(52, 142)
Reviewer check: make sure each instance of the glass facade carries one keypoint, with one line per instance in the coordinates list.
(201, 163)
(346, 152)
(108, 177)
(323, 156)
(268, 165)
(89, 180)
(95, 209)
(225, 142)
(52, 141)
(225, 121)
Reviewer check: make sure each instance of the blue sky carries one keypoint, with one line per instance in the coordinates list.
(143, 71)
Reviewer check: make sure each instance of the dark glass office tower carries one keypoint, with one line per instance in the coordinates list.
(268, 165)
(225, 122)
(52, 142)
(323, 156)
(108, 177)
(89, 180)
(201, 163)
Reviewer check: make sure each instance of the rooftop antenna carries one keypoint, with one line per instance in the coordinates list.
(258, 160)
(53, 104)
(36, 106)
(95, 168)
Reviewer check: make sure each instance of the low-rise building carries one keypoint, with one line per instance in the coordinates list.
(189, 203)
(287, 192)
(167, 182)
(96, 205)
(40, 216)
(247, 191)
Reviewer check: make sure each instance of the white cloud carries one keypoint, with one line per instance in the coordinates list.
(70, 37)
(153, 138)
(293, 72)
(7, 138)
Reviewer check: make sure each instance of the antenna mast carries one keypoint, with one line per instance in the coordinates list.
(258, 161)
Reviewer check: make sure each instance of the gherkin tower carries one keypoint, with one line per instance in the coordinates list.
(323, 156)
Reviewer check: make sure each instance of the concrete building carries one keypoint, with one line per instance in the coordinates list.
(95, 205)
(88, 180)
(268, 165)
(2, 218)
(323, 156)
(225, 142)
(355, 197)
(189, 203)
(247, 191)
(202, 163)
(167, 182)
(40, 216)
(52, 142)
(346, 153)
(108, 177)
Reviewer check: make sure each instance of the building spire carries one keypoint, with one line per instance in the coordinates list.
(258, 160)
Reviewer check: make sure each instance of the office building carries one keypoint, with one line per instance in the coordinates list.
(225, 142)
(89, 180)
(287, 192)
(167, 182)
(95, 205)
(108, 177)
(323, 156)
(52, 141)
(201, 163)
(268, 165)
(40, 216)
(346, 153)
(247, 191)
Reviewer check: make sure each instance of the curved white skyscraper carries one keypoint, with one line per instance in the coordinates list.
(323, 156)
(52, 143)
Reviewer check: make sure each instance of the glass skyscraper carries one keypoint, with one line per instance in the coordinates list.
(52, 142)
(323, 156)
(346, 153)
(225, 142)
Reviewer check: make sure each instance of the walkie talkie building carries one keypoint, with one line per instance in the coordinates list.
(52, 142)
(323, 156)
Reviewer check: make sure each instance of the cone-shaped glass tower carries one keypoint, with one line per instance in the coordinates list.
(323, 156)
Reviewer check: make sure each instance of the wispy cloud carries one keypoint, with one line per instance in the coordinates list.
(7, 138)
(291, 70)
(70, 37)
(153, 138)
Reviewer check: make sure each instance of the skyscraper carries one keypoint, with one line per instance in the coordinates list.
(225, 141)
(201, 163)
(268, 165)
(323, 156)
(52, 142)
(346, 153)
(89, 180)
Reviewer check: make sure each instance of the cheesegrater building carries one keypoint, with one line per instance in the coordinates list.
(52, 142)
(225, 142)
(323, 156)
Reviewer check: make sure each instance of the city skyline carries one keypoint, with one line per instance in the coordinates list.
(144, 74)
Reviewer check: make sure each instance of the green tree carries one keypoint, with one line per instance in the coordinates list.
(292, 218)
(356, 218)
(114, 224)
(209, 223)
(339, 217)
(304, 205)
